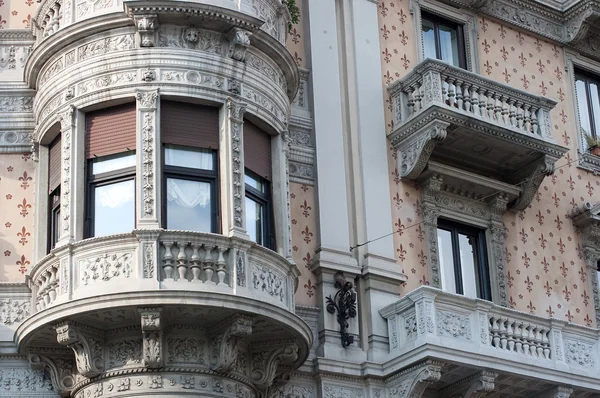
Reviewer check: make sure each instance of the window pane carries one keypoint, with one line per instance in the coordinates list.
(446, 260)
(189, 205)
(428, 39)
(255, 183)
(449, 45)
(595, 106)
(582, 105)
(192, 158)
(468, 261)
(254, 220)
(114, 208)
(106, 164)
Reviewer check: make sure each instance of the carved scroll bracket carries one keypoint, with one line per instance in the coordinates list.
(413, 381)
(268, 365)
(60, 370)
(152, 337)
(227, 339)
(86, 344)
(476, 386)
(530, 180)
(414, 151)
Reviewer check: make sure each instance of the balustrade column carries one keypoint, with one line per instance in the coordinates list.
(231, 163)
(149, 169)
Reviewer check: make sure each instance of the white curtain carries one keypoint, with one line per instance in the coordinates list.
(196, 159)
(188, 193)
(116, 195)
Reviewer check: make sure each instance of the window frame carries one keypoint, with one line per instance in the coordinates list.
(102, 179)
(482, 269)
(466, 18)
(53, 218)
(192, 174)
(264, 199)
(437, 20)
(587, 78)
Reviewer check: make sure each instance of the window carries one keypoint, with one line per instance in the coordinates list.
(257, 158)
(111, 193)
(463, 260)
(588, 103)
(54, 168)
(443, 40)
(258, 210)
(190, 189)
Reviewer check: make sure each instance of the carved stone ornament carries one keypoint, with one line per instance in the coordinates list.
(414, 151)
(236, 112)
(227, 343)
(557, 392)
(147, 99)
(476, 386)
(88, 349)
(532, 181)
(152, 337)
(146, 27)
(60, 370)
(266, 365)
(239, 41)
(413, 381)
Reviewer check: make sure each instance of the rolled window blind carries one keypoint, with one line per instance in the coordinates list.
(189, 124)
(54, 164)
(257, 150)
(110, 131)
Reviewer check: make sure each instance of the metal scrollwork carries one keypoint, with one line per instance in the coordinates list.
(344, 303)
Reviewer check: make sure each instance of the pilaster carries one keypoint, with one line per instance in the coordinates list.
(149, 165)
(68, 187)
(231, 155)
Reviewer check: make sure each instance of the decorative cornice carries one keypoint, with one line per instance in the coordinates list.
(16, 35)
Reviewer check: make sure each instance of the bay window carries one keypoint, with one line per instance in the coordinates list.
(257, 157)
(190, 138)
(111, 159)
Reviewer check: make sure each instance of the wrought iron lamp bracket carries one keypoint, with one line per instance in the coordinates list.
(344, 303)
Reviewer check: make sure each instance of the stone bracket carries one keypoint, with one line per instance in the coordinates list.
(146, 25)
(60, 369)
(86, 344)
(414, 151)
(152, 337)
(533, 177)
(476, 386)
(239, 41)
(267, 365)
(227, 339)
(557, 392)
(413, 381)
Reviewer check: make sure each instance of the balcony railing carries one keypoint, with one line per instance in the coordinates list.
(158, 260)
(437, 83)
(428, 320)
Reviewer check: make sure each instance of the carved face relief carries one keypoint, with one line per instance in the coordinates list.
(191, 35)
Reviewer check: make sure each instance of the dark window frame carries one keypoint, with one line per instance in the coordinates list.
(102, 179)
(192, 174)
(482, 270)
(588, 78)
(437, 20)
(53, 218)
(264, 199)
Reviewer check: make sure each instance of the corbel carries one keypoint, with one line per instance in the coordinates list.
(60, 369)
(227, 338)
(152, 337)
(86, 343)
(239, 41)
(146, 25)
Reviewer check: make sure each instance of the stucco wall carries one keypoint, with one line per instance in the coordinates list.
(16, 216)
(545, 269)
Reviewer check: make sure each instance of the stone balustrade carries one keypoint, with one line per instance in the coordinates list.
(55, 15)
(435, 83)
(159, 260)
(446, 326)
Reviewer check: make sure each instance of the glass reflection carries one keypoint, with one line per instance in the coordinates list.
(114, 208)
(428, 40)
(189, 205)
(254, 220)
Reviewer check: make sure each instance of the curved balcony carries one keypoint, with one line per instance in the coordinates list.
(55, 15)
(199, 289)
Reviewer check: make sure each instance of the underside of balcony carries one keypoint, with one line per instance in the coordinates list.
(459, 119)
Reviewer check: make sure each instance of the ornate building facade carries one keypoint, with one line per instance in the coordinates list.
(370, 199)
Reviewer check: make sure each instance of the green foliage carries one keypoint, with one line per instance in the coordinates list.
(592, 142)
(294, 12)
